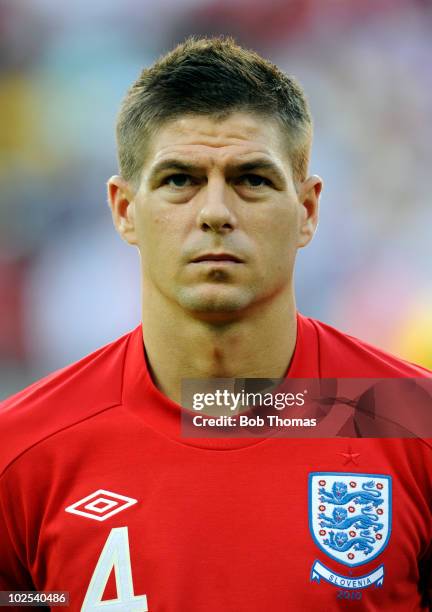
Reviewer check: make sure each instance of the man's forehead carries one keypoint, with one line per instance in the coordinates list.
(209, 140)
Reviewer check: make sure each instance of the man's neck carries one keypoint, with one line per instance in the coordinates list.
(180, 346)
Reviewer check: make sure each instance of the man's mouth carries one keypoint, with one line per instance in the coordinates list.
(217, 257)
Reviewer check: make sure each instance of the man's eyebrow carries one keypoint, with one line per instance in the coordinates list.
(258, 164)
(173, 164)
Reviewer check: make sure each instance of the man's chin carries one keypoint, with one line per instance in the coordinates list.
(220, 304)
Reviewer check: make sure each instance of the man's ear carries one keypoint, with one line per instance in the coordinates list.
(308, 195)
(122, 204)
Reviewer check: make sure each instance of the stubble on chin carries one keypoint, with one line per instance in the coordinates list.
(215, 300)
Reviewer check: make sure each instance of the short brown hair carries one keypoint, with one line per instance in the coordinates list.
(215, 77)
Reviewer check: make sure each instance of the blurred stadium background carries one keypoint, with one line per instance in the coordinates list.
(67, 282)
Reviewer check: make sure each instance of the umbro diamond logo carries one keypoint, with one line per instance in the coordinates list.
(101, 505)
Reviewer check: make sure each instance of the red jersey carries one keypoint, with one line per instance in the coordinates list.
(100, 496)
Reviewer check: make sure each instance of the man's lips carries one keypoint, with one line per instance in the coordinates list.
(224, 257)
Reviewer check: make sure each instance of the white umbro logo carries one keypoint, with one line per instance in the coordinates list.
(101, 505)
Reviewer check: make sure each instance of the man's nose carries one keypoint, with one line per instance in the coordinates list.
(216, 212)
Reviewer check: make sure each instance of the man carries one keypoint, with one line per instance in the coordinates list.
(101, 495)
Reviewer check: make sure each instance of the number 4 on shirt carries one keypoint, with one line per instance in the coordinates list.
(115, 554)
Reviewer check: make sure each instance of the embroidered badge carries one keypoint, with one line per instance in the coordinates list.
(350, 521)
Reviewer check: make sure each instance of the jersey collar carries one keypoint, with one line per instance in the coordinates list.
(148, 403)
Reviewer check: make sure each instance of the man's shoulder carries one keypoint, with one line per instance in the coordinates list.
(342, 355)
(62, 399)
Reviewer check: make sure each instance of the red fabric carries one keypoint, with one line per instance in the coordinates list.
(218, 524)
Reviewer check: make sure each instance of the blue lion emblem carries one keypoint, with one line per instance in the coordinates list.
(350, 515)
(339, 495)
(341, 520)
(339, 541)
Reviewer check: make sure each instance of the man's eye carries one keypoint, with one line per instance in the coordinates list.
(178, 180)
(254, 180)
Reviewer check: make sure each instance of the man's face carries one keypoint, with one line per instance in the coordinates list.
(216, 216)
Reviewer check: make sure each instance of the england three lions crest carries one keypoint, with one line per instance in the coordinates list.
(350, 519)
